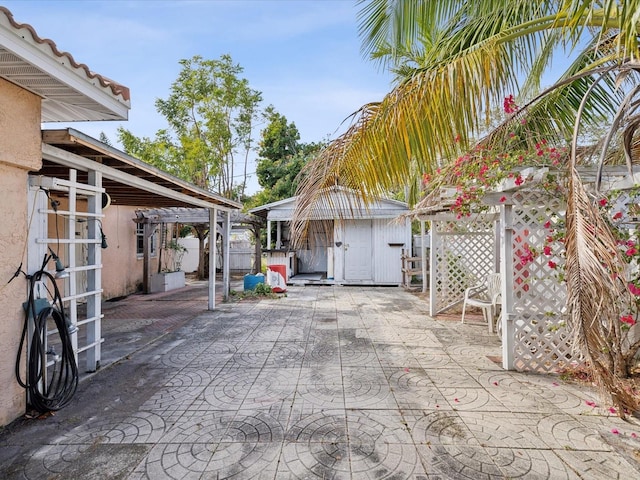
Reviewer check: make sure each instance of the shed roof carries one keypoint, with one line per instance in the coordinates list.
(70, 91)
(339, 202)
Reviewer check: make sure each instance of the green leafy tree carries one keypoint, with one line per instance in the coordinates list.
(281, 157)
(211, 113)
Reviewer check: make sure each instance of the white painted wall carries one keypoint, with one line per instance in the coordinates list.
(190, 259)
(389, 238)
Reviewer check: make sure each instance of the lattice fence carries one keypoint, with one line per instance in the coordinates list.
(541, 341)
(463, 253)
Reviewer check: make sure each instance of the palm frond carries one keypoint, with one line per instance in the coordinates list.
(596, 285)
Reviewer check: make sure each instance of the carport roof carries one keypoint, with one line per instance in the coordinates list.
(127, 180)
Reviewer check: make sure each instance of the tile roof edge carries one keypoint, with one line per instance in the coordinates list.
(116, 88)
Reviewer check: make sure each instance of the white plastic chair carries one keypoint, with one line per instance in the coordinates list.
(486, 296)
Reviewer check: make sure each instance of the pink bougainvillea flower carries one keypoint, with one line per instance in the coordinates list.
(509, 105)
(552, 264)
(602, 202)
(547, 224)
(634, 289)
(547, 250)
(590, 403)
(628, 319)
(555, 384)
(631, 252)
(617, 216)
(612, 410)
(615, 431)
(503, 199)
(519, 181)
(633, 435)
(456, 400)
(495, 383)
(406, 369)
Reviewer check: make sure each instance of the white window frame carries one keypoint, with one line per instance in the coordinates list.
(140, 241)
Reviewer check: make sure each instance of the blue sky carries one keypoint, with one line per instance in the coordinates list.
(303, 55)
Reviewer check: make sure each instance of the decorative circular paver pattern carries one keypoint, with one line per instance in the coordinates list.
(325, 383)
(228, 389)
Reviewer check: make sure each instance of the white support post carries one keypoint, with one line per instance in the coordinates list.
(38, 229)
(226, 280)
(506, 260)
(268, 234)
(423, 256)
(213, 233)
(72, 308)
(435, 240)
(94, 277)
(497, 228)
(36, 251)
(147, 231)
(278, 235)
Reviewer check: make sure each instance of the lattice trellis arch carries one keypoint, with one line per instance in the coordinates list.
(527, 235)
(519, 242)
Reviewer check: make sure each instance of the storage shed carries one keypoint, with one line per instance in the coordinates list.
(348, 246)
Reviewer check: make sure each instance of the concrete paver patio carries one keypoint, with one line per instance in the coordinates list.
(324, 383)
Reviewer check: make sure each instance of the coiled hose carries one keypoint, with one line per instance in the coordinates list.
(61, 384)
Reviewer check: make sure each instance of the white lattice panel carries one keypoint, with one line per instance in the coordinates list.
(463, 253)
(541, 341)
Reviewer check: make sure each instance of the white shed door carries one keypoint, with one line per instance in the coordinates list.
(357, 251)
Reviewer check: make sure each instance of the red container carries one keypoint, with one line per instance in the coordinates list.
(277, 278)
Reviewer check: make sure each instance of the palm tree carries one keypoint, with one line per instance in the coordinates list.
(454, 62)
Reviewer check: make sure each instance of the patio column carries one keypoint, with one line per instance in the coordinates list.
(423, 256)
(506, 260)
(435, 245)
(226, 239)
(146, 252)
(213, 233)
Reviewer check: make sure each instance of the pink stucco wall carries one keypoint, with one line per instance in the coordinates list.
(20, 151)
(121, 267)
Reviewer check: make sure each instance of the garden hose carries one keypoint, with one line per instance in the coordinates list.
(48, 391)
